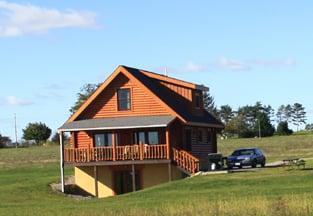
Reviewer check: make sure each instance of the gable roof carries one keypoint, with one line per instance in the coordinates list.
(172, 80)
(145, 80)
(161, 92)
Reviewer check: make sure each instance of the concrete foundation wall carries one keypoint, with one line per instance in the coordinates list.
(150, 175)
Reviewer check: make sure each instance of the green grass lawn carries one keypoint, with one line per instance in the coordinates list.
(25, 175)
(275, 148)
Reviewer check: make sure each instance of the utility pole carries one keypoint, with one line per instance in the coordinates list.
(15, 127)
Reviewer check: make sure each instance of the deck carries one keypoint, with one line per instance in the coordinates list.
(138, 152)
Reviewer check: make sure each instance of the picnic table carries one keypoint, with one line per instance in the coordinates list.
(294, 162)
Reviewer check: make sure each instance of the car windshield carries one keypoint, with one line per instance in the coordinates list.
(243, 152)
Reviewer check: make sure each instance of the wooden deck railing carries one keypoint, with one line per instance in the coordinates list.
(186, 160)
(129, 152)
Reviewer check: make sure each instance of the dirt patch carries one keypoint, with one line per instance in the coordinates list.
(71, 189)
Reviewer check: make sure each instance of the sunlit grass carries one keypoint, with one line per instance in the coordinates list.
(25, 175)
(275, 148)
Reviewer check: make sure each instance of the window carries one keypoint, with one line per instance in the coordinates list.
(153, 137)
(123, 99)
(197, 100)
(104, 139)
(141, 138)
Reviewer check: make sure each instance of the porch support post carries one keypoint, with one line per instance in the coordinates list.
(61, 160)
(133, 177)
(169, 171)
(114, 146)
(95, 172)
(167, 137)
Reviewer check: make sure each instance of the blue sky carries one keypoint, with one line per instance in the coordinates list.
(245, 51)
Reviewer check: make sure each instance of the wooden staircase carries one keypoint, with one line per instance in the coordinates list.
(185, 161)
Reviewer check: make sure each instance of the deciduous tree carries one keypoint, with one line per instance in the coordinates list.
(39, 132)
(283, 129)
(83, 95)
(4, 141)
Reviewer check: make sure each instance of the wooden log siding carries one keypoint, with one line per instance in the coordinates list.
(182, 91)
(129, 152)
(201, 149)
(83, 139)
(186, 160)
(105, 105)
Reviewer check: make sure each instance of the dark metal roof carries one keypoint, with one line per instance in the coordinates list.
(118, 123)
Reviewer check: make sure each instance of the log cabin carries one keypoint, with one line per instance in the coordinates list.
(138, 129)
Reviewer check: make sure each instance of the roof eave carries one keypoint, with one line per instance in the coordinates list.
(200, 124)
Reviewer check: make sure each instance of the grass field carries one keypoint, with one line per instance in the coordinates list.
(275, 148)
(25, 175)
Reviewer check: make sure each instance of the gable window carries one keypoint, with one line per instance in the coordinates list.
(104, 139)
(197, 100)
(123, 99)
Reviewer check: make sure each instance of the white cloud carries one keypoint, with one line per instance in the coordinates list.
(232, 64)
(19, 19)
(14, 101)
(194, 67)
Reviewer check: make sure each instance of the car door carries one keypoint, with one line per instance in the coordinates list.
(259, 156)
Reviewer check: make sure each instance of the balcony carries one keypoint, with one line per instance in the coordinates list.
(118, 153)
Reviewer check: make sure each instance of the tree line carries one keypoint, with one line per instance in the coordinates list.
(247, 121)
(257, 120)
(36, 133)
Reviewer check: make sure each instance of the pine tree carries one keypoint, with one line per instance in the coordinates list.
(298, 115)
(209, 103)
(280, 114)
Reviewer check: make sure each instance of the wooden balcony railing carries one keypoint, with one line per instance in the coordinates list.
(186, 160)
(129, 152)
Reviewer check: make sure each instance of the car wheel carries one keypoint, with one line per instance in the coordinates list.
(254, 163)
(240, 167)
(229, 167)
(263, 164)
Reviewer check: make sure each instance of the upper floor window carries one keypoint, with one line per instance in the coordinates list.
(123, 99)
(104, 139)
(197, 100)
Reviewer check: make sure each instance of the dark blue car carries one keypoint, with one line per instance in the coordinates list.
(246, 157)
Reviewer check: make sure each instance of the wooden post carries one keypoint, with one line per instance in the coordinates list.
(133, 177)
(169, 171)
(62, 160)
(141, 151)
(167, 136)
(113, 146)
(95, 172)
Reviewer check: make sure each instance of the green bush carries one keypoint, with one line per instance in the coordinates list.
(282, 129)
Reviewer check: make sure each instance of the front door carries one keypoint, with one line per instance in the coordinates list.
(124, 183)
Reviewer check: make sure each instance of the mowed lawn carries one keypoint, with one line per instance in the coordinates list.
(275, 148)
(25, 175)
